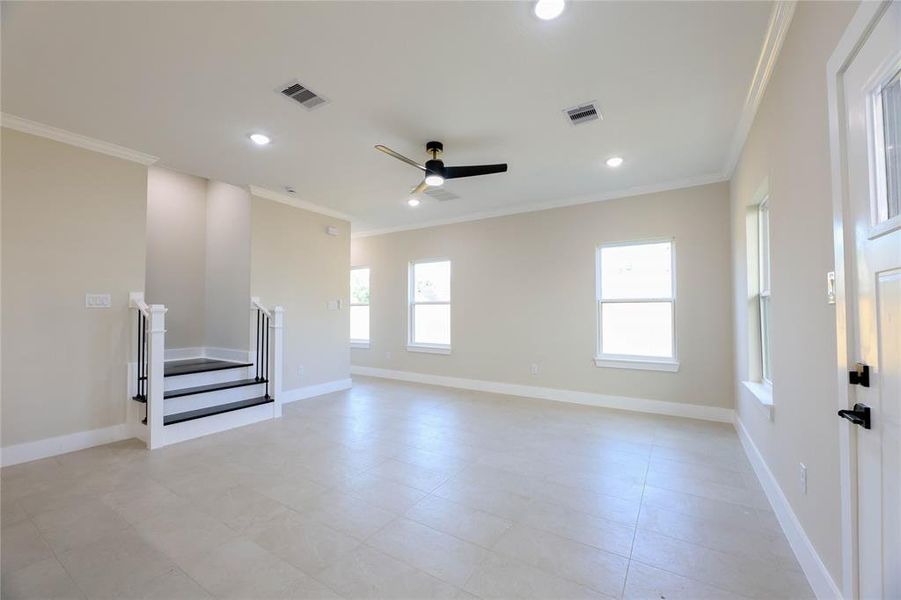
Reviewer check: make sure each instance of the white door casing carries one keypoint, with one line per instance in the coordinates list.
(868, 265)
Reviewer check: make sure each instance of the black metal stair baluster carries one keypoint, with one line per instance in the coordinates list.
(266, 375)
(257, 361)
(138, 361)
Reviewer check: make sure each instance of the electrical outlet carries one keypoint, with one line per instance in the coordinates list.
(388, 355)
(534, 369)
(300, 371)
(803, 479)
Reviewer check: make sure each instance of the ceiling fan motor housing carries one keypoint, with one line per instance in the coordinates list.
(435, 166)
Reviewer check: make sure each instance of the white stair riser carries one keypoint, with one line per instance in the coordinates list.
(187, 430)
(195, 401)
(178, 382)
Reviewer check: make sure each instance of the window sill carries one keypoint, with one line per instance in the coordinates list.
(668, 365)
(764, 395)
(428, 349)
(362, 345)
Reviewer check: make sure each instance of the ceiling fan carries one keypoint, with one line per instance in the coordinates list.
(435, 171)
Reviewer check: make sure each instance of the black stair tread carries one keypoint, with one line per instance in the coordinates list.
(213, 387)
(199, 365)
(214, 410)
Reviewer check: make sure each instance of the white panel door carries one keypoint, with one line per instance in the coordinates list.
(872, 122)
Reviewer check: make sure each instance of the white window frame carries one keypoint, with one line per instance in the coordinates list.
(412, 303)
(764, 293)
(363, 343)
(623, 361)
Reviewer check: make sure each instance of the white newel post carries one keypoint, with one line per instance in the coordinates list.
(277, 349)
(156, 344)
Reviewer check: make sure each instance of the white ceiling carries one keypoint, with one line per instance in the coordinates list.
(187, 82)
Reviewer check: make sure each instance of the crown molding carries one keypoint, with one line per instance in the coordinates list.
(297, 203)
(75, 139)
(780, 19)
(539, 206)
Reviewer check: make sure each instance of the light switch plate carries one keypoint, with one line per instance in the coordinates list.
(830, 287)
(333, 305)
(97, 301)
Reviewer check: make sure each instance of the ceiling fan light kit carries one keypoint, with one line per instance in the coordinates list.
(435, 171)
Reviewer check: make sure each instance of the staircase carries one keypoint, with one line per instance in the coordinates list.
(188, 398)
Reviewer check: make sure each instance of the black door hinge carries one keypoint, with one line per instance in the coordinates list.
(860, 375)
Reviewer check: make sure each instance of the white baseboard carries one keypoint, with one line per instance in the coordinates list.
(817, 575)
(692, 411)
(229, 354)
(310, 391)
(20, 453)
(182, 353)
(208, 352)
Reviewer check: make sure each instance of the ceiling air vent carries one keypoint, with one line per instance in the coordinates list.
(305, 97)
(440, 194)
(583, 113)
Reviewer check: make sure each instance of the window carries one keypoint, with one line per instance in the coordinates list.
(636, 306)
(887, 151)
(359, 307)
(430, 297)
(763, 285)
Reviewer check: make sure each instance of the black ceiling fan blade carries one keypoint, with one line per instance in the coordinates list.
(399, 156)
(472, 171)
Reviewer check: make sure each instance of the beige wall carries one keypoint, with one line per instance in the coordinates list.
(198, 259)
(788, 147)
(227, 266)
(294, 263)
(73, 223)
(176, 247)
(524, 292)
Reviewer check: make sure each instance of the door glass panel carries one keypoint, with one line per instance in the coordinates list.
(890, 98)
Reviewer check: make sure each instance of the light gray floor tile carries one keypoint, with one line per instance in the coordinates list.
(44, 580)
(649, 583)
(446, 557)
(403, 491)
(369, 573)
(460, 521)
(602, 571)
(502, 578)
(21, 545)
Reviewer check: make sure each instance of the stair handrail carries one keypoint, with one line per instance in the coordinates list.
(255, 303)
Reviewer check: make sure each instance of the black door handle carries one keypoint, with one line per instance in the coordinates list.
(859, 415)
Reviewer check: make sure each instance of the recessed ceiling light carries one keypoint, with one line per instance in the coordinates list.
(413, 201)
(434, 180)
(614, 161)
(259, 139)
(549, 9)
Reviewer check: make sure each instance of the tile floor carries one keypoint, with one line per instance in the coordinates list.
(395, 490)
